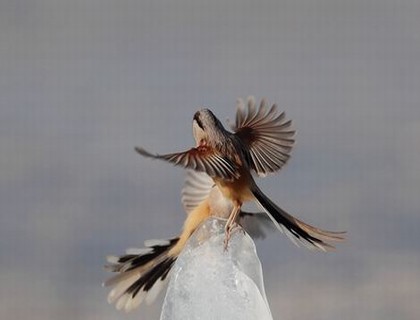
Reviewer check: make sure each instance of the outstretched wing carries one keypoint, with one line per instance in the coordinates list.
(267, 134)
(197, 187)
(203, 159)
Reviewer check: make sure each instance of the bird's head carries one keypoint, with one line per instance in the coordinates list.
(206, 127)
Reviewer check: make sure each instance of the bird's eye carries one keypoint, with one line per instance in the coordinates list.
(197, 119)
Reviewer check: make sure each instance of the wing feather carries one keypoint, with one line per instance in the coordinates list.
(202, 159)
(196, 189)
(267, 134)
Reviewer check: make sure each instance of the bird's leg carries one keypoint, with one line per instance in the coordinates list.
(230, 223)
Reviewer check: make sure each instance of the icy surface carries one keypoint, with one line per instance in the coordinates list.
(208, 282)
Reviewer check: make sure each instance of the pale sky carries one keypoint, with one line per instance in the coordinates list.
(83, 82)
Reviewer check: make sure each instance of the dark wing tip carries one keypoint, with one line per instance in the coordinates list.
(144, 152)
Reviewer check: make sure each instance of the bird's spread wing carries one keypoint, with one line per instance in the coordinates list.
(267, 134)
(197, 187)
(203, 159)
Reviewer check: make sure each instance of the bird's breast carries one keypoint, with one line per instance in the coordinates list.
(236, 190)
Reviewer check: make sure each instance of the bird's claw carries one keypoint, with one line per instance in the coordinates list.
(227, 238)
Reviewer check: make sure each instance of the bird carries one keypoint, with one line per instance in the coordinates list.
(142, 273)
(260, 143)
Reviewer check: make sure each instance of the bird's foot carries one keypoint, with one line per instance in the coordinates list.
(228, 234)
(227, 238)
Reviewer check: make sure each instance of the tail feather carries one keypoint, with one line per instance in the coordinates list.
(140, 276)
(296, 230)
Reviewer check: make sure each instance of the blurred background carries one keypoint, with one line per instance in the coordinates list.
(83, 82)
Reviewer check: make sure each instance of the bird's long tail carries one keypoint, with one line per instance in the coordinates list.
(297, 231)
(142, 273)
